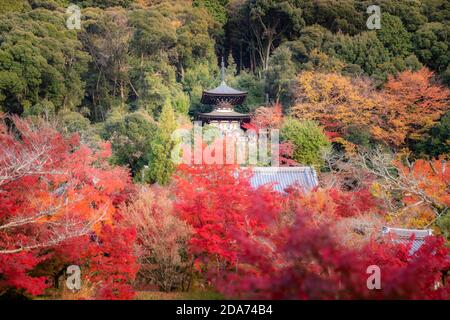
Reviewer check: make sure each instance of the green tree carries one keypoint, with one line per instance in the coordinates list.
(318, 48)
(73, 122)
(214, 7)
(270, 22)
(335, 15)
(12, 6)
(154, 33)
(443, 223)
(436, 141)
(231, 71)
(394, 36)
(161, 166)
(308, 139)
(131, 136)
(281, 75)
(359, 135)
(172, 50)
(196, 34)
(104, 3)
(431, 45)
(238, 39)
(311, 38)
(410, 12)
(195, 80)
(160, 84)
(446, 75)
(106, 36)
(365, 50)
(40, 59)
(436, 10)
(255, 86)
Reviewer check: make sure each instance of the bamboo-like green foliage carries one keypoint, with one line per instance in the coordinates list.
(161, 165)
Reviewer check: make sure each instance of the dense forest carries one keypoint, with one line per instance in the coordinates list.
(368, 109)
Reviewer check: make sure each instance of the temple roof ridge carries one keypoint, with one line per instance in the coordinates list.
(223, 92)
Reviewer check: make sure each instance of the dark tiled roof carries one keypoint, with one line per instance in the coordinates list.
(284, 177)
(223, 93)
(404, 236)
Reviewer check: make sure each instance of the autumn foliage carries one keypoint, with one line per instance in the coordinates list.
(63, 204)
(58, 199)
(162, 239)
(260, 244)
(303, 261)
(90, 125)
(406, 107)
(335, 101)
(422, 187)
(214, 201)
(430, 176)
(413, 103)
(270, 118)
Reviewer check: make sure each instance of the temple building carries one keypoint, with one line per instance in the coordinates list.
(224, 99)
(231, 123)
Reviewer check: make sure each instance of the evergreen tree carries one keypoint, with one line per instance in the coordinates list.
(394, 36)
(161, 166)
(231, 70)
(436, 141)
(281, 75)
(431, 45)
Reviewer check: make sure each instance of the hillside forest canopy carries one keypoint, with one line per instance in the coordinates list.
(86, 174)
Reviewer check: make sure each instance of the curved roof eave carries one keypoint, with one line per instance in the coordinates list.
(223, 89)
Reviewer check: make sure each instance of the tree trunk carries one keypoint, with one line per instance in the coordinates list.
(240, 57)
(267, 54)
(122, 94)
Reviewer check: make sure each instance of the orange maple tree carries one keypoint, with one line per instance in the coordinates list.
(410, 104)
(407, 106)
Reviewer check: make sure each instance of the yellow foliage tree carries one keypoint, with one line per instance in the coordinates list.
(407, 106)
(336, 101)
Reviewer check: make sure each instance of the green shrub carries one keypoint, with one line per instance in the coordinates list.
(308, 140)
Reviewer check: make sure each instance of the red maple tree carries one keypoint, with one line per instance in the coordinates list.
(260, 244)
(57, 195)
